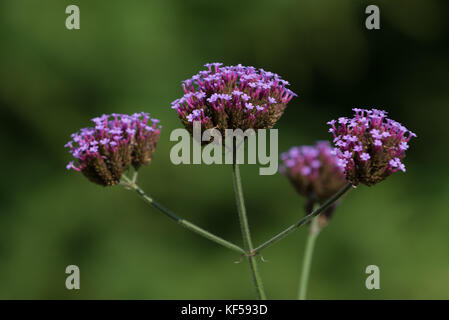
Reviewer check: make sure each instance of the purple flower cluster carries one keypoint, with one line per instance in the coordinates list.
(313, 170)
(231, 97)
(315, 173)
(369, 146)
(102, 152)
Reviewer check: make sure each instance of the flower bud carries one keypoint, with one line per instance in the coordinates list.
(315, 174)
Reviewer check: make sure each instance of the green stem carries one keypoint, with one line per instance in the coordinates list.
(248, 245)
(192, 227)
(293, 227)
(134, 178)
(307, 261)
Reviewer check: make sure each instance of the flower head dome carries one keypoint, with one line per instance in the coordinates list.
(232, 97)
(315, 174)
(103, 152)
(370, 147)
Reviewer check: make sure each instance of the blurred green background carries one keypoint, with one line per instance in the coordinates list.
(131, 56)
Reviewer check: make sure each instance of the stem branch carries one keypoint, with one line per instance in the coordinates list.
(188, 225)
(293, 227)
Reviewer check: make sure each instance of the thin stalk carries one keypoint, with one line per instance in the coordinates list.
(188, 225)
(307, 261)
(248, 245)
(134, 178)
(295, 226)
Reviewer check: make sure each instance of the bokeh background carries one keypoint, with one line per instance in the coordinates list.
(131, 56)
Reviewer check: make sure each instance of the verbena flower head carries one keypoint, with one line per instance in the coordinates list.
(231, 97)
(117, 141)
(370, 147)
(315, 174)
